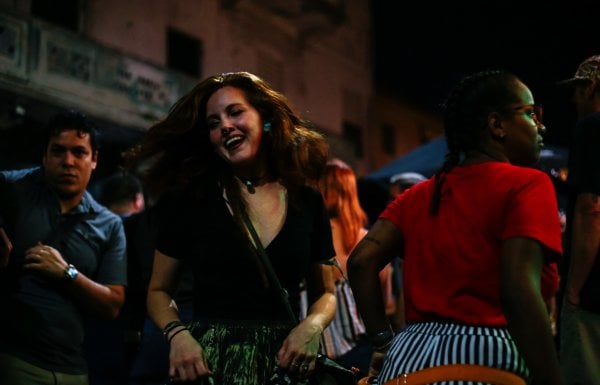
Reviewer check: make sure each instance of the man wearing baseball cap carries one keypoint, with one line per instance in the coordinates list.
(402, 181)
(580, 314)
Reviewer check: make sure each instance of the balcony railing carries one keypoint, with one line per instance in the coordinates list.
(41, 60)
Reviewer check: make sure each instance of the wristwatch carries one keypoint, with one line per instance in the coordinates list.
(71, 272)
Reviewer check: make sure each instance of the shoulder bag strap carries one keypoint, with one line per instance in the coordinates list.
(269, 268)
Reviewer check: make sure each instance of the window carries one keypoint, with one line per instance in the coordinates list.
(184, 53)
(64, 13)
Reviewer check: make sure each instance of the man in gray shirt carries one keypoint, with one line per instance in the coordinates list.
(68, 259)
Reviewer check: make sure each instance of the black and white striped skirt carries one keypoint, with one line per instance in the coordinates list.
(424, 345)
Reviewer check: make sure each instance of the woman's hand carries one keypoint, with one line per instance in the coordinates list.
(187, 361)
(299, 350)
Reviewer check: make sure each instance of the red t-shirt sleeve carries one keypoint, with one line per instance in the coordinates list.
(533, 212)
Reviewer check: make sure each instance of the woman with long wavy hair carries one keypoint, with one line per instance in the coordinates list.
(233, 147)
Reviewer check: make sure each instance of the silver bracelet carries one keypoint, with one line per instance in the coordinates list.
(383, 348)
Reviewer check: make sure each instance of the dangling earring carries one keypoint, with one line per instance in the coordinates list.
(267, 127)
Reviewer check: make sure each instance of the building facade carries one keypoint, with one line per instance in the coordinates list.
(125, 63)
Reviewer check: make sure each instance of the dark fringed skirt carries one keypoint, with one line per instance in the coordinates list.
(241, 352)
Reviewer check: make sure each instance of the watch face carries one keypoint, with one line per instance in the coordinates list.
(71, 272)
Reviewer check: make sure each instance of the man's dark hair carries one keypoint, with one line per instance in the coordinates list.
(70, 120)
(120, 187)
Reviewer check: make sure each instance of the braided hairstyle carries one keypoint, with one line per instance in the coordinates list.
(466, 112)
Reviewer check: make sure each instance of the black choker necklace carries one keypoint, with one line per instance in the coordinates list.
(252, 183)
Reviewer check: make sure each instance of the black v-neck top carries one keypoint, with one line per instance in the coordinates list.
(227, 284)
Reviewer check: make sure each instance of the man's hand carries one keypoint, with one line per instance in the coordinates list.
(46, 260)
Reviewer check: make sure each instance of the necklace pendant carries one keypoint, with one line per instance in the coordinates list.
(250, 186)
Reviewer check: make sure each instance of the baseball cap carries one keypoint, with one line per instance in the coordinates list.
(589, 69)
(408, 178)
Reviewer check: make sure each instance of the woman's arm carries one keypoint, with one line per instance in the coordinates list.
(163, 283)
(301, 346)
(186, 359)
(525, 310)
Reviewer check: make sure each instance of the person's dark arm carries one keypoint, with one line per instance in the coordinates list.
(585, 244)
(5, 246)
(5, 243)
(525, 309)
(371, 254)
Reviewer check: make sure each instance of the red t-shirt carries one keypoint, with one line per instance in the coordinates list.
(452, 260)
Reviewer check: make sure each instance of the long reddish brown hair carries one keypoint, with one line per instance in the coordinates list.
(177, 149)
(340, 192)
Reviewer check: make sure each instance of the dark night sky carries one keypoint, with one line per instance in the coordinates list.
(422, 49)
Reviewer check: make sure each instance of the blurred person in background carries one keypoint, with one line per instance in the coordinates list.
(403, 180)
(580, 308)
(345, 338)
(111, 346)
(398, 184)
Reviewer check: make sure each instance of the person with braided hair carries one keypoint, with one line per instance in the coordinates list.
(479, 242)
